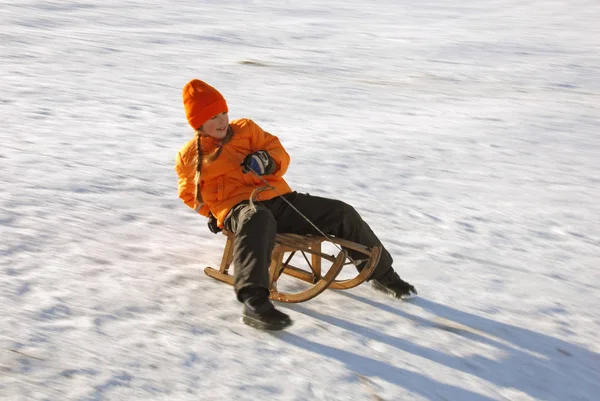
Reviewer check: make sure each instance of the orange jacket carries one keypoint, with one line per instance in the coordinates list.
(222, 184)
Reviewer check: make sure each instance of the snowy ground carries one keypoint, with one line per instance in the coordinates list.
(466, 133)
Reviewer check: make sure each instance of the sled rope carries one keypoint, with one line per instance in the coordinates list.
(258, 190)
(301, 215)
(254, 195)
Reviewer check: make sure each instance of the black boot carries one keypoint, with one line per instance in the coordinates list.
(260, 313)
(391, 283)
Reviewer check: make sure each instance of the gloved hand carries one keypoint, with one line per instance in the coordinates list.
(260, 162)
(212, 224)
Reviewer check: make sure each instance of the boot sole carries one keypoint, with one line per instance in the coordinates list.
(258, 324)
(380, 288)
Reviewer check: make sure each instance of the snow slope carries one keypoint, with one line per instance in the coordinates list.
(466, 134)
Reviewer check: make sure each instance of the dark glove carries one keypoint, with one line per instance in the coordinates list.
(212, 224)
(260, 162)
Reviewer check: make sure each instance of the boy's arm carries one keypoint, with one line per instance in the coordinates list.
(262, 140)
(187, 185)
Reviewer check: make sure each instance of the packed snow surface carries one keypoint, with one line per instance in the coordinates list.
(465, 133)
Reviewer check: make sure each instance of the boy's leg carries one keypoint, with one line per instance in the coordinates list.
(254, 229)
(333, 217)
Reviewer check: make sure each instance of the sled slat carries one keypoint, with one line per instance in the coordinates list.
(300, 274)
(310, 244)
(224, 277)
(315, 290)
(364, 274)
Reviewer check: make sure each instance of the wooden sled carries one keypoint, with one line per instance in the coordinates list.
(292, 244)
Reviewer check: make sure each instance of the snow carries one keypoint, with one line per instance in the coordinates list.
(465, 134)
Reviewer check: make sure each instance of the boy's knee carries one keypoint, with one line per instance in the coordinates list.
(260, 216)
(252, 216)
(262, 213)
(347, 211)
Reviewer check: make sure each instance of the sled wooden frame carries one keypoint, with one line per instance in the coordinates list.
(291, 244)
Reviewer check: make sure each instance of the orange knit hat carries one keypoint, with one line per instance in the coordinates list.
(202, 102)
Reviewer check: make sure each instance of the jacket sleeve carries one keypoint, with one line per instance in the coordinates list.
(262, 140)
(187, 185)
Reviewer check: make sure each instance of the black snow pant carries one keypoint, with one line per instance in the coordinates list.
(255, 227)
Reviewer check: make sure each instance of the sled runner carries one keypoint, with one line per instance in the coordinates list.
(287, 246)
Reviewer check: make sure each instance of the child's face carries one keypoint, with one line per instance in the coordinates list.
(216, 126)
